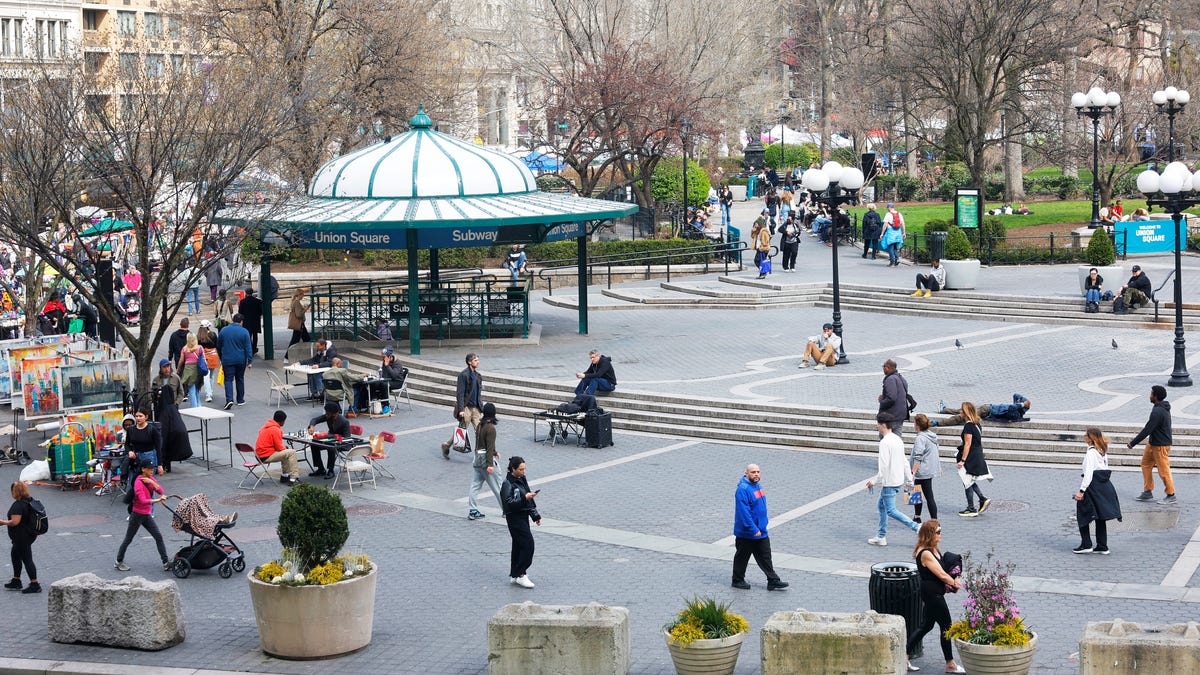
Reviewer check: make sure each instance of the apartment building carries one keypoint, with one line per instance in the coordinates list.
(32, 32)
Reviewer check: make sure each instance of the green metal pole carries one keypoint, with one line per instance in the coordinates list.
(414, 297)
(264, 290)
(581, 252)
(434, 265)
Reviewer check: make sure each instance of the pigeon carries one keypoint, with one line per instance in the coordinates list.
(958, 343)
(1114, 344)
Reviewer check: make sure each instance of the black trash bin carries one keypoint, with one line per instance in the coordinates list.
(895, 588)
(937, 245)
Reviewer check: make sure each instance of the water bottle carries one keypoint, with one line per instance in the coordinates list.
(871, 489)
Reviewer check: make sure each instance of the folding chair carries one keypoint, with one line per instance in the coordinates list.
(334, 393)
(254, 468)
(280, 391)
(375, 457)
(357, 460)
(356, 430)
(401, 388)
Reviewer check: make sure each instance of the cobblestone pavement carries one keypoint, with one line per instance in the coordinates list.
(644, 524)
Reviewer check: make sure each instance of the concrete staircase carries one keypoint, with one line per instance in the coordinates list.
(743, 292)
(807, 427)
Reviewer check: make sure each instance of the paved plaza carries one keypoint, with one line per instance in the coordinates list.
(646, 523)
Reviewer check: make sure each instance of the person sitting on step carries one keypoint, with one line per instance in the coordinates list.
(822, 348)
(934, 281)
(1135, 292)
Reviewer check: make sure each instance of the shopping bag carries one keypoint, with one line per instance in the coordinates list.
(221, 376)
(916, 497)
(75, 326)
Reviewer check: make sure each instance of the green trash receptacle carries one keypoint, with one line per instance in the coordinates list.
(937, 245)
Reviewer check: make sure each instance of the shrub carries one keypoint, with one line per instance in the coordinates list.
(666, 183)
(1064, 187)
(704, 618)
(937, 225)
(1100, 250)
(312, 524)
(992, 229)
(906, 189)
(802, 155)
(552, 182)
(958, 247)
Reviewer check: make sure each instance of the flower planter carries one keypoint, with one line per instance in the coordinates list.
(712, 657)
(961, 274)
(314, 622)
(993, 660)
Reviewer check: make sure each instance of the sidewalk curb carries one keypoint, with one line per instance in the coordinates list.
(12, 666)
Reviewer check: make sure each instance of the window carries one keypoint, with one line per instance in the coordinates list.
(6, 37)
(62, 38)
(153, 26)
(93, 62)
(39, 37)
(177, 63)
(129, 65)
(154, 65)
(128, 105)
(91, 19)
(173, 27)
(126, 24)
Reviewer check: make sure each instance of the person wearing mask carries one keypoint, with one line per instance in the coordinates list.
(519, 508)
(337, 425)
(934, 584)
(142, 515)
(1096, 499)
(483, 469)
(20, 533)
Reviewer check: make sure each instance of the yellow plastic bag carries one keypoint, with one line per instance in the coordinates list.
(221, 376)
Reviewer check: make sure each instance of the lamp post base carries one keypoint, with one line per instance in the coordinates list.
(1179, 380)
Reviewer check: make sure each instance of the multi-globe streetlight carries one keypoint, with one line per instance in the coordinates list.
(1095, 104)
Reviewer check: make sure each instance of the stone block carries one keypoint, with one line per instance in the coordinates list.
(1117, 647)
(824, 642)
(527, 639)
(133, 612)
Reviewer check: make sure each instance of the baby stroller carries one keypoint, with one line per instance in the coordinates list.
(210, 546)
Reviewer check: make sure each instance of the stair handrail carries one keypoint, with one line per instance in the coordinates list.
(725, 250)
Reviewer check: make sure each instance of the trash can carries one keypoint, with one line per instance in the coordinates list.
(895, 588)
(937, 245)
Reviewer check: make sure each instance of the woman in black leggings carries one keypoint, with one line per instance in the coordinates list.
(20, 531)
(925, 466)
(934, 582)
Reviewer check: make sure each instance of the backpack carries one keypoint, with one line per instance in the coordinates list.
(1119, 305)
(1092, 307)
(39, 523)
(912, 402)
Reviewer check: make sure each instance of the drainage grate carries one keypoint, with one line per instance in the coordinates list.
(372, 509)
(251, 499)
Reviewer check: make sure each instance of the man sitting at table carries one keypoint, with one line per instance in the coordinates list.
(350, 388)
(322, 358)
(270, 448)
(338, 426)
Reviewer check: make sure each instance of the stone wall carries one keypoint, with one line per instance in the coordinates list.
(824, 642)
(527, 639)
(131, 612)
(1118, 647)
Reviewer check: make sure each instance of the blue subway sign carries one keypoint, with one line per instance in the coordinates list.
(438, 237)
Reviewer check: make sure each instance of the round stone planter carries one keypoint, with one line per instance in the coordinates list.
(993, 660)
(706, 657)
(1114, 276)
(961, 274)
(314, 622)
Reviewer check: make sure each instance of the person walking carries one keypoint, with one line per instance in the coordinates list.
(224, 309)
(894, 400)
(142, 515)
(971, 464)
(236, 354)
(1096, 499)
(251, 309)
(213, 276)
(206, 337)
(468, 402)
(143, 442)
(934, 584)
(789, 242)
(761, 235)
(750, 531)
(892, 238)
(872, 228)
(1157, 433)
(188, 365)
(519, 509)
(483, 469)
(725, 197)
(22, 536)
(296, 322)
(893, 474)
(926, 465)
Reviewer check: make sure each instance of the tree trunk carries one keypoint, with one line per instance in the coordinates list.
(1070, 163)
(910, 155)
(1014, 184)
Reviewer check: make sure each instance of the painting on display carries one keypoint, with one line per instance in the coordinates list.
(92, 385)
(39, 386)
(103, 424)
(36, 347)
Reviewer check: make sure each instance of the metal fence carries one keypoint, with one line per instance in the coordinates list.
(1015, 250)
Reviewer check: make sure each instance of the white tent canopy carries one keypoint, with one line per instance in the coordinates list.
(792, 137)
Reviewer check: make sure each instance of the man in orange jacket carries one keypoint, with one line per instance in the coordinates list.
(270, 448)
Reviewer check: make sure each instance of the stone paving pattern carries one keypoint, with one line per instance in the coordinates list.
(640, 533)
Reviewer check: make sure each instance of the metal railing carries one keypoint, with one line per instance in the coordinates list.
(729, 253)
(1010, 250)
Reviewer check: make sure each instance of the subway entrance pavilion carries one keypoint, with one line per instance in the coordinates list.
(425, 190)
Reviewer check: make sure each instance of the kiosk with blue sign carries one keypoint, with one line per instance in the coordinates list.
(428, 190)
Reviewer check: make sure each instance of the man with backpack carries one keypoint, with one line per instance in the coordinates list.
(894, 400)
(1136, 291)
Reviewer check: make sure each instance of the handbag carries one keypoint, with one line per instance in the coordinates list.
(917, 496)
(202, 364)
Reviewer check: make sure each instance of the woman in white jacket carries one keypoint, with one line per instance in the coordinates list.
(926, 465)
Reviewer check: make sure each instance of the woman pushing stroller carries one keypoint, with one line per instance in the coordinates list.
(142, 514)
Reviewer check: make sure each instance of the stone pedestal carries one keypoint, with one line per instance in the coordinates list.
(131, 612)
(1117, 647)
(527, 639)
(823, 642)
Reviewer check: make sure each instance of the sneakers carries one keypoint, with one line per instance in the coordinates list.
(928, 293)
(877, 541)
(228, 405)
(917, 293)
(241, 403)
(522, 581)
(1146, 496)
(776, 585)
(15, 585)
(475, 514)
(1169, 499)
(916, 519)
(968, 513)
(983, 506)
(167, 565)
(208, 399)
(1101, 551)
(741, 584)
(819, 366)
(1082, 549)
(33, 587)
(289, 480)
(121, 566)
(912, 668)
(803, 364)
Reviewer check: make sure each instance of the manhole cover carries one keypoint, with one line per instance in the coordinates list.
(371, 509)
(251, 499)
(1008, 506)
(261, 533)
(81, 520)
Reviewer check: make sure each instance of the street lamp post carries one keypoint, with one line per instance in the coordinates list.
(686, 125)
(1181, 191)
(834, 185)
(1096, 103)
(784, 118)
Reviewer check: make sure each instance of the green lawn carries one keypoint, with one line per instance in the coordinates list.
(1079, 212)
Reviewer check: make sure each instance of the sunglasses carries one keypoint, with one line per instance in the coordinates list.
(938, 531)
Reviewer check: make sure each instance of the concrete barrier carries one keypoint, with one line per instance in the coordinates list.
(131, 612)
(527, 639)
(1117, 647)
(825, 642)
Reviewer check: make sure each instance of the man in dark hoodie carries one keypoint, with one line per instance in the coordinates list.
(177, 341)
(1157, 433)
(599, 376)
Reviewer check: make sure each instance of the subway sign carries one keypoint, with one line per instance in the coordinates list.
(438, 237)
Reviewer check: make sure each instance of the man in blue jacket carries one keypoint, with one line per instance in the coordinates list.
(236, 353)
(750, 531)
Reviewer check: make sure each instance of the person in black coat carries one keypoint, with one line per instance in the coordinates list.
(872, 228)
(519, 509)
(1096, 499)
(251, 309)
(1136, 291)
(176, 446)
(177, 341)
